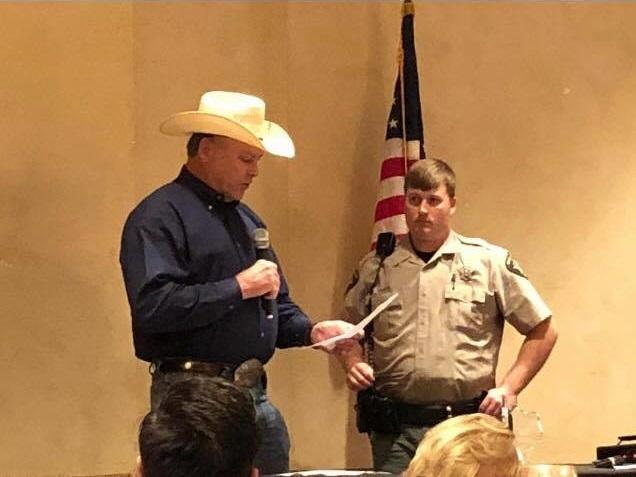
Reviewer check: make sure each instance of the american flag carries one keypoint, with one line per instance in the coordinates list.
(404, 145)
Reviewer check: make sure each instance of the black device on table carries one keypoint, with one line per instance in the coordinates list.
(619, 454)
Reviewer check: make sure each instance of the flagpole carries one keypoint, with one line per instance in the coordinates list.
(407, 9)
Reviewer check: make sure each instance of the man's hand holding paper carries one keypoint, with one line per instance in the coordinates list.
(341, 335)
(335, 334)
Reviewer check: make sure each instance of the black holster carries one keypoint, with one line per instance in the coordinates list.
(375, 412)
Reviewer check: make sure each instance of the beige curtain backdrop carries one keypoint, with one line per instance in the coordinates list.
(532, 103)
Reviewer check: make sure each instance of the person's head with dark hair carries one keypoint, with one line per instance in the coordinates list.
(203, 427)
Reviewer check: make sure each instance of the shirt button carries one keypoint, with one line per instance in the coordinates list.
(262, 334)
(210, 207)
(238, 244)
(231, 307)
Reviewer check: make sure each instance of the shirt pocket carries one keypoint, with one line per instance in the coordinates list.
(468, 309)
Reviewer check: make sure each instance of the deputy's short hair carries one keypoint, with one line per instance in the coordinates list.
(429, 174)
(203, 427)
(464, 445)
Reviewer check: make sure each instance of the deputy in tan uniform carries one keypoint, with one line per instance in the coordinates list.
(435, 348)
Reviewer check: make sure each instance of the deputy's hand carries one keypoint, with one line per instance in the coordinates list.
(496, 398)
(360, 376)
(260, 279)
(330, 328)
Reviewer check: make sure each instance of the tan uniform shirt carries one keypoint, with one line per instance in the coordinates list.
(440, 339)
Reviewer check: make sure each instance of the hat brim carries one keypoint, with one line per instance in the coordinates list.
(274, 140)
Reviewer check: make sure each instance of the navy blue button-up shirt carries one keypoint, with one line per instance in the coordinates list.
(181, 249)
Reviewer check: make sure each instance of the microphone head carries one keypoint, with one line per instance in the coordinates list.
(261, 238)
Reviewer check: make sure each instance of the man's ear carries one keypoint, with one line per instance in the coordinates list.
(205, 148)
(453, 203)
(255, 472)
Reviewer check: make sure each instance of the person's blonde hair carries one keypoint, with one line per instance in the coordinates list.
(464, 445)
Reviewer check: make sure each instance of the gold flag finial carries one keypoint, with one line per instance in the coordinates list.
(408, 8)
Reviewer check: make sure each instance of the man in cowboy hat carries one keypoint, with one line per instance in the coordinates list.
(195, 286)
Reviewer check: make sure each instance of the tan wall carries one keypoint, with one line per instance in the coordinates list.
(533, 103)
(70, 393)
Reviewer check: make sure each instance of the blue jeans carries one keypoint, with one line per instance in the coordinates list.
(272, 456)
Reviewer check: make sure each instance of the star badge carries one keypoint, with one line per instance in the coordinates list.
(466, 274)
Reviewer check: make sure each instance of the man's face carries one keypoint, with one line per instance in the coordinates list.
(229, 165)
(428, 214)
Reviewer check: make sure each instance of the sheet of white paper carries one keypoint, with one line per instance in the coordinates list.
(329, 343)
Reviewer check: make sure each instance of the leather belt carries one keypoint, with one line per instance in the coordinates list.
(434, 413)
(223, 370)
(247, 374)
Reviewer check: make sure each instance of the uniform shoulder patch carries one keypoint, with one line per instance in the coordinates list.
(513, 266)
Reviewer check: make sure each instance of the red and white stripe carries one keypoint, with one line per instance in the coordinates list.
(389, 209)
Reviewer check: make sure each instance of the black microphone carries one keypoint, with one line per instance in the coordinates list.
(261, 242)
(613, 461)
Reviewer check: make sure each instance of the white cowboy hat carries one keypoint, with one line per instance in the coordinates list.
(235, 115)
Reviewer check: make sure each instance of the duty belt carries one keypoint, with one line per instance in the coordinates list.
(434, 413)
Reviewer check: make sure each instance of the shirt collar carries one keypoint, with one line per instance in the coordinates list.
(206, 193)
(451, 246)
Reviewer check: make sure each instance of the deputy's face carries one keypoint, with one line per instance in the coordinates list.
(229, 165)
(428, 216)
